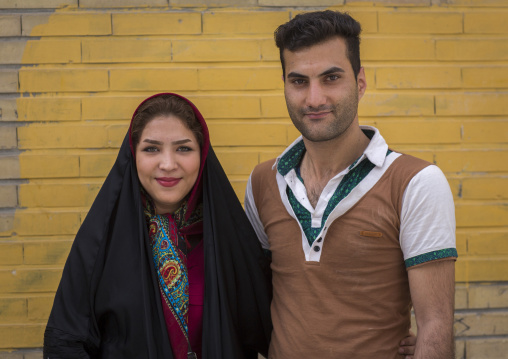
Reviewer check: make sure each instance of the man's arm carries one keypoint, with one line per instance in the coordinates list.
(432, 288)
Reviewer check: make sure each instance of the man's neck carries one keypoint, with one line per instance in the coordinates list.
(323, 160)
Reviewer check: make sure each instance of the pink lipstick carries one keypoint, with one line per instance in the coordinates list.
(168, 181)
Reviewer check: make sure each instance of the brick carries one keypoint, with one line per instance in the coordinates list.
(39, 308)
(10, 167)
(121, 3)
(8, 196)
(488, 243)
(49, 51)
(46, 252)
(481, 215)
(29, 280)
(96, 165)
(485, 188)
(11, 253)
(178, 23)
(492, 295)
(486, 22)
(10, 25)
(66, 24)
(225, 106)
(266, 155)
(48, 166)
(62, 136)
(216, 50)
(150, 79)
(256, 78)
(58, 194)
(12, 309)
(472, 104)
(8, 111)
(401, 104)
(461, 296)
(269, 52)
(486, 49)
(456, 187)
(460, 349)
(11, 355)
(8, 138)
(48, 109)
(110, 108)
(237, 162)
(495, 348)
(12, 51)
(418, 77)
(8, 81)
(243, 22)
(213, 3)
(486, 323)
(6, 224)
(485, 77)
(247, 134)
(21, 335)
(116, 135)
(368, 20)
(75, 80)
(479, 3)
(274, 106)
(472, 161)
(429, 132)
(461, 243)
(38, 4)
(239, 186)
(126, 50)
(485, 131)
(422, 22)
(44, 222)
(390, 2)
(294, 3)
(33, 354)
(399, 49)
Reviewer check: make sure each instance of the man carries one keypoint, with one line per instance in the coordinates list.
(357, 232)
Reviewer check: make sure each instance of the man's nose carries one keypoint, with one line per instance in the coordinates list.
(315, 95)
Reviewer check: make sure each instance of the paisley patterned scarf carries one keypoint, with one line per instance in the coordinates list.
(169, 249)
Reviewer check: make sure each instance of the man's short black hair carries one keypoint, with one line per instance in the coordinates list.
(311, 28)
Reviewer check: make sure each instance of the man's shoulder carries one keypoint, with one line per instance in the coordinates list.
(264, 167)
(409, 163)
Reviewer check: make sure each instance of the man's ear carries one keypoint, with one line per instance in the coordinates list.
(361, 82)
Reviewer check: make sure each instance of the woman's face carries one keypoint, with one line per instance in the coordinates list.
(168, 160)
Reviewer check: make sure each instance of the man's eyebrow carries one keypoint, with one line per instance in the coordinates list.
(332, 70)
(296, 74)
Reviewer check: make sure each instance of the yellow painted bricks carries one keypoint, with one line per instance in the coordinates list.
(72, 73)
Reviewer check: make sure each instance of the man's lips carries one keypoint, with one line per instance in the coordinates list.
(168, 181)
(316, 115)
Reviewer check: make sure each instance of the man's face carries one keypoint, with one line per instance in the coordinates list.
(321, 91)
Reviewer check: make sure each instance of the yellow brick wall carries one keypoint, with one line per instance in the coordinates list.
(72, 72)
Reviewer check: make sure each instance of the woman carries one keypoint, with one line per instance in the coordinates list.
(167, 268)
(165, 264)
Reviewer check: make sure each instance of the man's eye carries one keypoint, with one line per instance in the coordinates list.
(298, 81)
(333, 77)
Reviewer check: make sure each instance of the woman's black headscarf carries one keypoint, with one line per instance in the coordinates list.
(108, 304)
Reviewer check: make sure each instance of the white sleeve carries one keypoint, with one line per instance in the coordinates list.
(252, 213)
(427, 228)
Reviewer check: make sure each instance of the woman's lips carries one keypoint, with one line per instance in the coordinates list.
(168, 181)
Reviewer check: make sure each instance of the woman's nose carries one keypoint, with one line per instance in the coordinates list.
(168, 162)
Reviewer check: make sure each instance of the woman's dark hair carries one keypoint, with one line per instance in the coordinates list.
(311, 28)
(165, 105)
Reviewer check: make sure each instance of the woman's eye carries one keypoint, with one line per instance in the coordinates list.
(150, 149)
(184, 149)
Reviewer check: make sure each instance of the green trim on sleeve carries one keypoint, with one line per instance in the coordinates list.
(426, 257)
